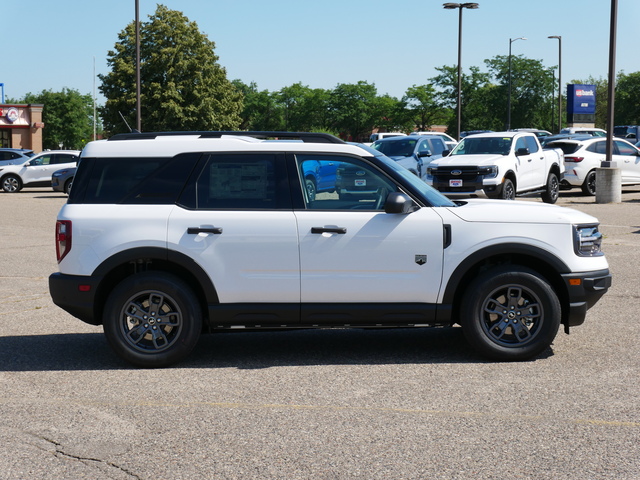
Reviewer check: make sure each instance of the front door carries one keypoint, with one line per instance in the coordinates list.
(352, 251)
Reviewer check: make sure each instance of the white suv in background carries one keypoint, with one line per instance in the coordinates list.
(37, 170)
(582, 157)
(167, 236)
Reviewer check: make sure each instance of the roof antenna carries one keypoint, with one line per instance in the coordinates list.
(131, 130)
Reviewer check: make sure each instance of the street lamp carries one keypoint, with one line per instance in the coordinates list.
(559, 80)
(511, 40)
(459, 6)
(138, 103)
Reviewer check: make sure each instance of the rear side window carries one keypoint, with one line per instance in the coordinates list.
(239, 181)
(567, 147)
(135, 181)
(598, 147)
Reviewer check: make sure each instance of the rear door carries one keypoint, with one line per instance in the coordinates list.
(235, 219)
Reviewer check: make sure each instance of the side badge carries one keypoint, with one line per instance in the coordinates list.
(421, 259)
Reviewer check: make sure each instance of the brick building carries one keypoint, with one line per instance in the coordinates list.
(21, 126)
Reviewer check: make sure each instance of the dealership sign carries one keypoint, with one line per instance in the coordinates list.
(581, 99)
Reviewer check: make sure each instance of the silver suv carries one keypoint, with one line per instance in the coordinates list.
(167, 236)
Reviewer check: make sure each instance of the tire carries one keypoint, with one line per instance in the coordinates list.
(589, 185)
(11, 183)
(67, 186)
(552, 189)
(510, 313)
(311, 189)
(508, 190)
(140, 336)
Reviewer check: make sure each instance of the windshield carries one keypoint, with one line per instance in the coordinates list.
(403, 147)
(483, 146)
(433, 196)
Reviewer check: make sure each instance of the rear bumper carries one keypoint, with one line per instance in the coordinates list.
(76, 295)
(584, 290)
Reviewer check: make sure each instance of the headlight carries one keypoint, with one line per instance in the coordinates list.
(489, 172)
(587, 240)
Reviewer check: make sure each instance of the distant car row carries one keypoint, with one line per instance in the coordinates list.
(38, 170)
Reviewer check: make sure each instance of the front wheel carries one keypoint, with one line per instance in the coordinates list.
(152, 319)
(510, 313)
(11, 184)
(552, 189)
(508, 191)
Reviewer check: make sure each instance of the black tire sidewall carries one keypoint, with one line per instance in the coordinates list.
(185, 300)
(482, 286)
(505, 188)
(551, 194)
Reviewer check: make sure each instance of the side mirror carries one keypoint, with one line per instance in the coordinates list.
(522, 151)
(399, 203)
(424, 153)
(445, 153)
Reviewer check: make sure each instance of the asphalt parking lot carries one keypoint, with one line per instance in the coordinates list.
(331, 404)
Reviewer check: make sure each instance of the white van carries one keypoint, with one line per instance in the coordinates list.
(378, 136)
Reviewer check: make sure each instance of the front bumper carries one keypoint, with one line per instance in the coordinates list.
(584, 290)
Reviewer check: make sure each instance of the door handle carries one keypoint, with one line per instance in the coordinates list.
(197, 230)
(340, 230)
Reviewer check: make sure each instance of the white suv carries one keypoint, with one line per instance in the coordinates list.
(583, 156)
(37, 170)
(166, 236)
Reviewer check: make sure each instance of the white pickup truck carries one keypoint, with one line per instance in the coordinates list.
(500, 164)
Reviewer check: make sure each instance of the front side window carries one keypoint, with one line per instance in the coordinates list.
(626, 149)
(346, 184)
(532, 144)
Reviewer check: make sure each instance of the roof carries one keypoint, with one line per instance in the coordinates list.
(168, 144)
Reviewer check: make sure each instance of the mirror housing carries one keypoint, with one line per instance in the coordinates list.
(399, 203)
(522, 151)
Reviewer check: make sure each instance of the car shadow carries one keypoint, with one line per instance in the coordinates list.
(253, 350)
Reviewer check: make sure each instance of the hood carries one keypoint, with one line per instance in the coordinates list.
(509, 211)
(467, 160)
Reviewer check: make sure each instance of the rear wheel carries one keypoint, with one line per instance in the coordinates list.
(589, 185)
(510, 313)
(152, 319)
(552, 189)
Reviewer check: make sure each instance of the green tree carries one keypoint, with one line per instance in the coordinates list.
(627, 102)
(532, 92)
(353, 109)
(261, 110)
(473, 94)
(423, 108)
(182, 85)
(67, 116)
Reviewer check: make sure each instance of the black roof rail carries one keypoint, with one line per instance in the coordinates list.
(306, 137)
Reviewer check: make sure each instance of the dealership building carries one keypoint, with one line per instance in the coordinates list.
(21, 126)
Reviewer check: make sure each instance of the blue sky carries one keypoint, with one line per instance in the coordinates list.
(52, 44)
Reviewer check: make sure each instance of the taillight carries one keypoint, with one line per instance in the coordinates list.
(63, 238)
(573, 159)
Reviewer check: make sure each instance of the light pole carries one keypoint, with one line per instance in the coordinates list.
(559, 80)
(459, 6)
(138, 104)
(511, 40)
